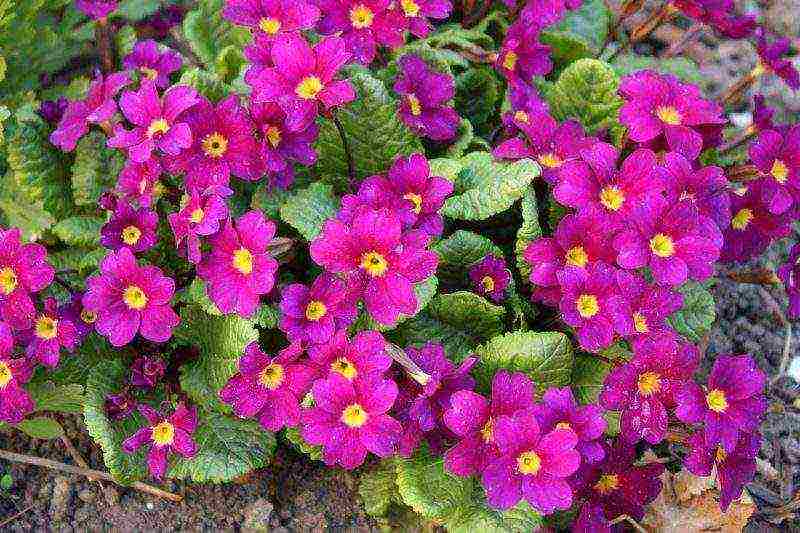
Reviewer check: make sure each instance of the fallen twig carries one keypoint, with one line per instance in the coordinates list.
(17, 515)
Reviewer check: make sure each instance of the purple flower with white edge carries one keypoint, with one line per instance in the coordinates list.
(703, 187)
(559, 410)
(303, 78)
(752, 226)
(349, 419)
(128, 298)
(315, 313)
(119, 406)
(96, 9)
(270, 17)
(164, 435)
(130, 228)
(417, 12)
(772, 58)
(147, 371)
(363, 356)
(644, 389)
(81, 318)
(157, 121)
(239, 268)
(672, 239)
(137, 182)
(471, 417)
(734, 469)
(731, 404)
(200, 216)
(589, 303)
(268, 388)
(490, 277)
(98, 107)
(522, 56)
(50, 333)
(151, 63)
(363, 24)
(532, 465)
(424, 94)
(23, 270)
(645, 307)
(777, 156)
(789, 274)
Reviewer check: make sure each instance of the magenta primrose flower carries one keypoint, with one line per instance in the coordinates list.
(659, 105)
(119, 406)
(522, 56)
(424, 94)
(732, 403)
(472, 417)
(200, 216)
(559, 410)
(15, 402)
(52, 110)
(157, 123)
(532, 465)
(315, 313)
(417, 12)
(364, 356)
(98, 107)
(349, 419)
(490, 277)
(259, 57)
(83, 320)
(777, 156)
(302, 79)
(164, 435)
(675, 241)
(24, 270)
(525, 102)
(363, 24)
(96, 9)
(789, 274)
(147, 371)
(50, 333)
(719, 15)
(270, 17)
(591, 519)
(734, 470)
(645, 307)
(239, 268)
(381, 263)
(704, 187)
(267, 388)
(151, 63)
(772, 58)
(130, 228)
(137, 181)
(128, 298)
(644, 389)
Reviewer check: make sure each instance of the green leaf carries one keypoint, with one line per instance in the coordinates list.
(544, 356)
(378, 488)
(206, 83)
(580, 34)
(136, 10)
(209, 35)
(75, 368)
(32, 219)
(95, 169)
(485, 187)
(477, 93)
(459, 321)
(80, 230)
(84, 260)
(695, 319)
(40, 427)
(682, 67)
(588, 376)
(66, 398)
(227, 448)
(529, 231)
(374, 133)
(297, 440)
(308, 209)
(458, 252)
(586, 91)
(6, 481)
(124, 40)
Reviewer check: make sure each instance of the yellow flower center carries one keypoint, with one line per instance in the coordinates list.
(668, 115)
(354, 416)
(344, 367)
(587, 305)
(272, 376)
(315, 310)
(134, 298)
(149, 73)
(5, 375)
(269, 25)
(159, 126)
(415, 199)
(612, 198)
(273, 135)
(563, 425)
(510, 60)
(640, 323)
(410, 8)
(607, 483)
(662, 245)
(577, 256)
(8, 280)
(487, 283)
(163, 433)
(46, 328)
(742, 219)
(487, 430)
(243, 261)
(720, 454)
(309, 88)
(550, 160)
(374, 263)
(716, 401)
(214, 145)
(89, 317)
(361, 17)
(413, 105)
(528, 463)
(779, 171)
(649, 383)
(197, 215)
(131, 235)
(521, 116)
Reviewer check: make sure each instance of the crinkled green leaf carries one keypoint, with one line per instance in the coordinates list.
(297, 440)
(66, 398)
(124, 40)
(587, 377)
(580, 34)
(544, 356)
(529, 231)
(209, 34)
(95, 169)
(32, 219)
(206, 83)
(80, 230)
(485, 187)
(695, 319)
(228, 447)
(478, 91)
(586, 91)
(40, 427)
(682, 67)
(76, 367)
(83, 260)
(136, 10)
(308, 209)
(378, 488)
(458, 252)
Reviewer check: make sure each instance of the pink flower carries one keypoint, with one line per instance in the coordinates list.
(777, 156)
(49, 334)
(525, 102)
(137, 181)
(151, 63)
(789, 274)
(752, 226)
(771, 57)
(15, 402)
(82, 319)
(271, 17)
(146, 371)
(164, 435)
(645, 307)
(156, 121)
(559, 410)
(417, 12)
(424, 94)
(129, 298)
(522, 56)
(704, 187)
(362, 357)
(96, 9)
(23, 270)
(200, 216)
(239, 268)
(490, 277)
(314, 313)
(719, 15)
(130, 228)
(363, 24)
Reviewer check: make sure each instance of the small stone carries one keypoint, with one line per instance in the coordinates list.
(87, 495)
(59, 501)
(257, 515)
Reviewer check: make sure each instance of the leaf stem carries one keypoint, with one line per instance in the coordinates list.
(351, 169)
(103, 38)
